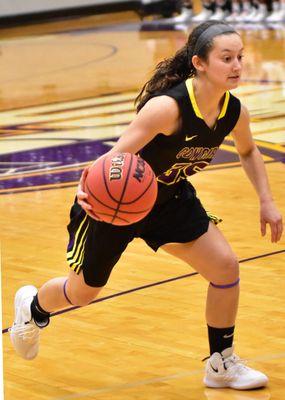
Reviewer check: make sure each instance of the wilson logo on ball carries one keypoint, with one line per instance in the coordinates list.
(116, 170)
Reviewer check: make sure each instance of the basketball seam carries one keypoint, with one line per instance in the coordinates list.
(112, 208)
(141, 195)
(111, 215)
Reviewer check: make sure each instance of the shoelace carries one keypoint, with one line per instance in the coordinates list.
(235, 365)
(25, 331)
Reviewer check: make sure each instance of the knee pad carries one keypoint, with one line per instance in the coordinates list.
(228, 286)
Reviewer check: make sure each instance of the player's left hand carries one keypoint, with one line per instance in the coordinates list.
(269, 214)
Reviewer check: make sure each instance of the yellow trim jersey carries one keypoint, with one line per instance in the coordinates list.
(176, 157)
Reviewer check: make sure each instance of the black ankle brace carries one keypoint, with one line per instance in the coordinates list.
(39, 315)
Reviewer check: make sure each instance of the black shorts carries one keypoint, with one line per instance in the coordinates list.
(95, 247)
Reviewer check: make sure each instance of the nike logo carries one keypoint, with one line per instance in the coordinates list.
(228, 336)
(214, 369)
(190, 138)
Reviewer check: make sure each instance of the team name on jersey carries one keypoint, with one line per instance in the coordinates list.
(197, 153)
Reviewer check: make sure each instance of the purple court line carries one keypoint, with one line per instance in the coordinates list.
(27, 189)
(176, 278)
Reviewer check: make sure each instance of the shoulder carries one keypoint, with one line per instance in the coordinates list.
(163, 100)
(161, 106)
(163, 111)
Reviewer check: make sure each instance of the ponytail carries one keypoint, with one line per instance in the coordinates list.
(177, 69)
(168, 73)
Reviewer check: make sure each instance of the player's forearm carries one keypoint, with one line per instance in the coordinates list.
(255, 169)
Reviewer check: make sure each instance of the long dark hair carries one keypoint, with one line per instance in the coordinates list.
(178, 68)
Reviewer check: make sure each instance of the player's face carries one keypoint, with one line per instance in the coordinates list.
(224, 64)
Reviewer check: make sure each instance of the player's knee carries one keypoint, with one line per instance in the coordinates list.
(82, 297)
(229, 268)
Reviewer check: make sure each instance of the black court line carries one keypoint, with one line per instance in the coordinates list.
(176, 278)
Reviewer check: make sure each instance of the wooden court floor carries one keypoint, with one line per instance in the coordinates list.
(66, 93)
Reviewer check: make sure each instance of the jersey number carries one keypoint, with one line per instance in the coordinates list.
(180, 171)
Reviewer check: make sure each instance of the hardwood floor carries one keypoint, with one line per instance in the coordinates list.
(67, 92)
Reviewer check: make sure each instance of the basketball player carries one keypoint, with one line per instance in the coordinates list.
(184, 113)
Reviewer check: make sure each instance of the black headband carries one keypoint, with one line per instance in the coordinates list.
(209, 34)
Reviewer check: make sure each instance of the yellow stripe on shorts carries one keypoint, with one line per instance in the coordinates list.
(214, 218)
(76, 266)
(72, 255)
(75, 260)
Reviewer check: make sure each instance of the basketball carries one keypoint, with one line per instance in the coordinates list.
(121, 188)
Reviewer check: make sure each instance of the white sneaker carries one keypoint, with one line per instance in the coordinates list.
(24, 333)
(202, 16)
(250, 15)
(185, 16)
(218, 15)
(228, 370)
(260, 15)
(276, 16)
(275, 11)
(233, 17)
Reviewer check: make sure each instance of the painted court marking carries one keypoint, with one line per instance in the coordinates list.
(152, 285)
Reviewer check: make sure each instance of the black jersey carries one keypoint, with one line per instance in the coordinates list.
(176, 157)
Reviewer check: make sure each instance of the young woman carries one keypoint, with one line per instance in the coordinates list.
(184, 113)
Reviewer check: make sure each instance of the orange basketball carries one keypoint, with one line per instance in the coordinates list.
(121, 188)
